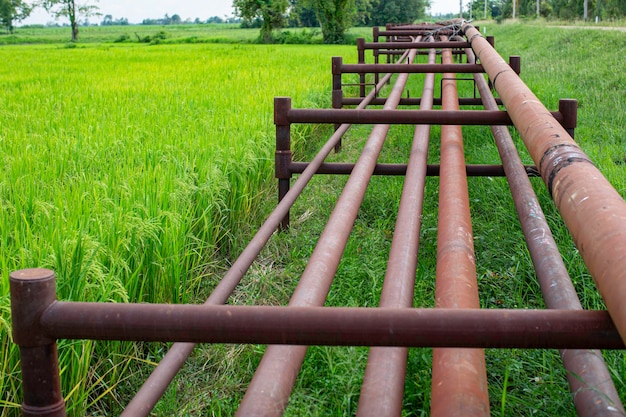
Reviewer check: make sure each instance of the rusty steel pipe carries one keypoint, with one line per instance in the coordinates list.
(336, 326)
(592, 209)
(459, 376)
(588, 377)
(383, 384)
(158, 381)
(269, 390)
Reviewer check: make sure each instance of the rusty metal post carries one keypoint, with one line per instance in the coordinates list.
(388, 39)
(568, 107)
(337, 94)
(383, 385)
(283, 155)
(459, 376)
(360, 44)
(32, 292)
(375, 35)
(594, 212)
(515, 62)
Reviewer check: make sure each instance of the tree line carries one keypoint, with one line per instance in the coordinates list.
(549, 9)
(333, 16)
(18, 10)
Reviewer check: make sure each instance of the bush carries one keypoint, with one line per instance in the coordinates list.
(122, 38)
(292, 37)
(155, 39)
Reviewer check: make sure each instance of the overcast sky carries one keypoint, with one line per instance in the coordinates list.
(137, 10)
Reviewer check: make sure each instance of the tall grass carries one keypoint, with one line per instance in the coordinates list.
(126, 170)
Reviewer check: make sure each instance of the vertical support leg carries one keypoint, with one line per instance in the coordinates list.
(515, 62)
(568, 107)
(283, 155)
(360, 44)
(32, 291)
(337, 92)
(375, 34)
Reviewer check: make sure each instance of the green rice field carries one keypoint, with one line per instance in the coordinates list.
(138, 172)
(128, 168)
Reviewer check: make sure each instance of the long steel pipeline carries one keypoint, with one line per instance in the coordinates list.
(269, 390)
(459, 376)
(592, 209)
(158, 381)
(588, 377)
(383, 385)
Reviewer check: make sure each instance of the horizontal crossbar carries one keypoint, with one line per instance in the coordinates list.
(400, 169)
(419, 327)
(410, 68)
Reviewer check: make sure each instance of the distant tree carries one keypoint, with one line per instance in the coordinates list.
(271, 12)
(215, 19)
(12, 10)
(611, 9)
(478, 8)
(107, 20)
(302, 14)
(175, 20)
(400, 11)
(364, 12)
(335, 17)
(72, 9)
